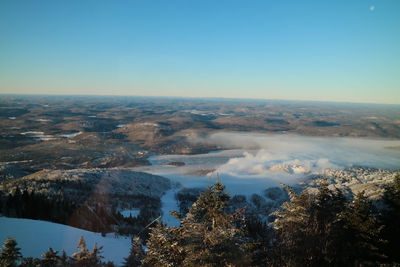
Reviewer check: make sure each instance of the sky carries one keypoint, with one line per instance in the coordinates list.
(338, 50)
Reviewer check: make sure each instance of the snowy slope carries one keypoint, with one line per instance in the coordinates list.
(35, 237)
(169, 203)
(130, 213)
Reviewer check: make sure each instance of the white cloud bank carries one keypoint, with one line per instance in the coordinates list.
(249, 162)
(291, 156)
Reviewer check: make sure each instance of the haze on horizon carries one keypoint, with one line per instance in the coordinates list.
(297, 50)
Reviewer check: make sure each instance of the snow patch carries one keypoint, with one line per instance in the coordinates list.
(130, 213)
(39, 135)
(71, 135)
(32, 133)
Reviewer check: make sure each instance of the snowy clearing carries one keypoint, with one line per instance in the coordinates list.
(169, 203)
(130, 213)
(34, 237)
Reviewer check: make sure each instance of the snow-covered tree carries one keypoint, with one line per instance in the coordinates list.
(95, 256)
(165, 248)
(50, 258)
(362, 233)
(207, 236)
(391, 221)
(136, 254)
(10, 254)
(308, 228)
(83, 252)
(84, 257)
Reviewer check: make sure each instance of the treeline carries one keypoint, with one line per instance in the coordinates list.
(313, 228)
(56, 208)
(93, 214)
(36, 206)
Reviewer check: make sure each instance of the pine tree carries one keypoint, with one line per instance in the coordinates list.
(81, 257)
(50, 258)
(94, 258)
(391, 219)
(83, 251)
(136, 254)
(10, 254)
(165, 248)
(31, 262)
(84, 257)
(362, 232)
(210, 234)
(260, 235)
(207, 236)
(308, 228)
(108, 264)
(64, 259)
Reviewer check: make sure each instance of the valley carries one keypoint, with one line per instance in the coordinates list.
(116, 165)
(38, 132)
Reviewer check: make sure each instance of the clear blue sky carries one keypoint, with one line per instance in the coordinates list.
(328, 50)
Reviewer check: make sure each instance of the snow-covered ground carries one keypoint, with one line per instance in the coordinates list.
(71, 135)
(35, 237)
(43, 120)
(169, 203)
(32, 133)
(130, 213)
(39, 135)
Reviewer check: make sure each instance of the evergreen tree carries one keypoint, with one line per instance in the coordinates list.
(260, 234)
(109, 264)
(362, 232)
(95, 257)
(31, 262)
(50, 258)
(308, 228)
(83, 251)
(164, 247)
(210, 234)
(136, 254)
(391, 219)
(64, 259)
(10, 254)
(84, 257)
(207, 236)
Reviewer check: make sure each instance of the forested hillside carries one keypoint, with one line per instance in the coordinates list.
(90, 199)
(321, 227)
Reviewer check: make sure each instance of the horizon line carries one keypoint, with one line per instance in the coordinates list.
(206, 97)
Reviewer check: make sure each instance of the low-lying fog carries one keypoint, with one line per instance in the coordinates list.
(248, 163)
